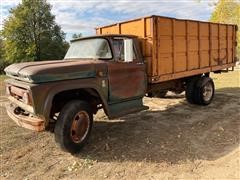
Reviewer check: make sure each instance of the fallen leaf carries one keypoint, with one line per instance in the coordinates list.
(221, 128)
(107, 147)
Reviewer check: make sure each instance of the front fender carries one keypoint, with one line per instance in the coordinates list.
(43, 100)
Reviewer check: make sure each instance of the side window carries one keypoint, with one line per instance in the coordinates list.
(118, 47)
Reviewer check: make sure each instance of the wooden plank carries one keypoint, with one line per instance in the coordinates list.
(234, 43)
(193, 72)
(199, 50)
(155, 46)
(183, 74)
(210, 43)
(144, 27)
(227, 43)
(119, 28)
(187, 42)
(173, 45)
(220, 67)
(219, 40)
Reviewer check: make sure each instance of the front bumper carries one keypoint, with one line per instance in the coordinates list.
(29, 122)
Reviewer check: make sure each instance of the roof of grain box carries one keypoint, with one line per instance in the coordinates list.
(176, 48)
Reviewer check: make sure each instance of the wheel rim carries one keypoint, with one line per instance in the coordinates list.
(80, 127)
(207, 91)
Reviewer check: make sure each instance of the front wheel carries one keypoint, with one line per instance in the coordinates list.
(73, 126)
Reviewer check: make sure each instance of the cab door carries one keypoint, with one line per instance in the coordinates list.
(127, 78)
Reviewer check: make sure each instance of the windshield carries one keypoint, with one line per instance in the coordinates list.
(97, 48)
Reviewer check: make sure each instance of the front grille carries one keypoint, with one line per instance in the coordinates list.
(17, 92)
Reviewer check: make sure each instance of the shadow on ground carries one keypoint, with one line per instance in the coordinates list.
(181, 132)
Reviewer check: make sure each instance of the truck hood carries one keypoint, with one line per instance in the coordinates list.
(46, 71)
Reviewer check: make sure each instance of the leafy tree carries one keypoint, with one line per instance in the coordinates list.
(31, 33)
(3, 63)
(228, 11)
(1, 49)
(75, 36)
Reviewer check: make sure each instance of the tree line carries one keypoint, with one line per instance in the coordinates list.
(30, 33)
(228, 11)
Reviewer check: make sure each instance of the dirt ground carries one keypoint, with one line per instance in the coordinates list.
(171, 140)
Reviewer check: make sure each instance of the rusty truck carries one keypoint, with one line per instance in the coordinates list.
(114, 69)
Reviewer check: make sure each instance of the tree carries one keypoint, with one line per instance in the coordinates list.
(228, 11)
(31, 33)
(1, 49)
(75, 36)
(3, 62)
(1, 56)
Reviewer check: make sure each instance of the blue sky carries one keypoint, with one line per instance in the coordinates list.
(82, 16)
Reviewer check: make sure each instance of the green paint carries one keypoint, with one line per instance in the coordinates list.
(40, 78)
(126, 107)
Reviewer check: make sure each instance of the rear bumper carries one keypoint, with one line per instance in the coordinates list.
(28, 122)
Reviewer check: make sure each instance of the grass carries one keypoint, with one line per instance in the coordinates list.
(227, 80)
(2, 77)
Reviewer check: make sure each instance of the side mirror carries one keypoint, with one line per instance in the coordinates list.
(128, 50)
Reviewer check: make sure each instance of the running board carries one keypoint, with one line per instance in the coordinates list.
(126, 107)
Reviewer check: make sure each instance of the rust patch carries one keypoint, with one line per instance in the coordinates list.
(126, 80)
(28, 122)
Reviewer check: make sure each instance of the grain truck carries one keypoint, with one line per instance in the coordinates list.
(114, 70)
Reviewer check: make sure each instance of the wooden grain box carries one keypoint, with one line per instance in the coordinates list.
(177, 48)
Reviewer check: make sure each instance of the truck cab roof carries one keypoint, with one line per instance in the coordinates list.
(104, 36)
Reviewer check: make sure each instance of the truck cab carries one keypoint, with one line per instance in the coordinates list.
(105, 71)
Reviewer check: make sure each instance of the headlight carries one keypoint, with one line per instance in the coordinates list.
(25, 98)
(23, 76)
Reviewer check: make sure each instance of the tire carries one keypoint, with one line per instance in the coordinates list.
(73, 126)
(191, 90)
(160, 94)
(204, 91)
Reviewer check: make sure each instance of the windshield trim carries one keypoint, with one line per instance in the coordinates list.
(93, 37)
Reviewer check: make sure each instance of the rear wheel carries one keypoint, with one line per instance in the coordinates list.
(191, 89)
(204, 91)
(73, 126)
